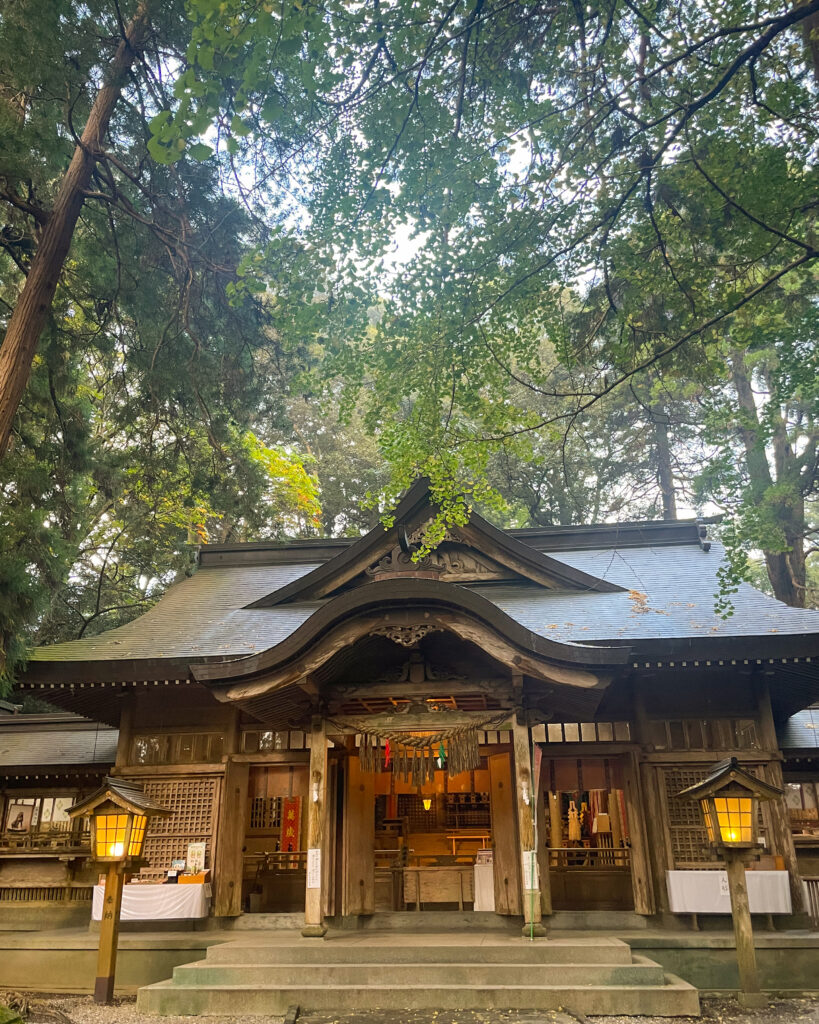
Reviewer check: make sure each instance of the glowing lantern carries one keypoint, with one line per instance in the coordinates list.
(119, 813)
(729, 798)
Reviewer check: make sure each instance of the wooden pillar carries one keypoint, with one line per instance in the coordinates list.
(233, 734)
(126, 717)
(109, 933)
(783, 836)
(504, 836)
(359, 840)
(641, 876)
(542, 842)
(659, 835)
(228, 862)
(749, 994)
(316, 830)
(525, 803)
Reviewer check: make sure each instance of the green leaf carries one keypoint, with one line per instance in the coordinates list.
(200, 151)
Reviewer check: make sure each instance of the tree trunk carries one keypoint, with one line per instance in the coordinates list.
(786, 569)
(33, 306)
(665, 474)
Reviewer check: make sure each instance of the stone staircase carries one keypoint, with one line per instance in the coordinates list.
(264, 973)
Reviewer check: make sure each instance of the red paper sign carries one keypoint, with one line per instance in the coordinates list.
(291, 821)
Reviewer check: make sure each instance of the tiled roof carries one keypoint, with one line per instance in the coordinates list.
(670, 594)
(800, 731)
(62, 739)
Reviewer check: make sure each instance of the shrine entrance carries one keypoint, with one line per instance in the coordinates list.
(419, 836)
(587, 833)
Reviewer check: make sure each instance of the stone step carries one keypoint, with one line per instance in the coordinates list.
(434, 921)
(419, 949)
(596, 920)
(675, 998)
(641, 972)
(263, 922)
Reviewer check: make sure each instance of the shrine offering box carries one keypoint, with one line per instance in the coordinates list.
(198, 879)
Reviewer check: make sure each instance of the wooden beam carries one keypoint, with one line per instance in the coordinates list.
(429, 688)
(314, 926)
(431, 721)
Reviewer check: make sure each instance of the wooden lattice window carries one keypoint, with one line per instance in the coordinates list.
(689, 840)
(193, 803)
(177, 748)
(265, 813)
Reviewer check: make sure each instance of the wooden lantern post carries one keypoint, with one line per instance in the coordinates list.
(729, 799)
(119, 813)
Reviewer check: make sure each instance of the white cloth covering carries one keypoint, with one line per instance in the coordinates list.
(157, 902)
(706, 892)
(484, 887)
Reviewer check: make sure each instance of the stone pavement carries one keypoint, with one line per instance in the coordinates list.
(83, 1010)
(714, 1011)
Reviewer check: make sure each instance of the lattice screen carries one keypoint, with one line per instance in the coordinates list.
(265, 813)
(194, 805)
(689, 840)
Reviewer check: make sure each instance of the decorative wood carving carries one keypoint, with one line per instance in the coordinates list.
(418, 670)
(406, 636)
(452, 561)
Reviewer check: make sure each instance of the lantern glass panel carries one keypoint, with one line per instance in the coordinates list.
(709, 825)
(111, 830)
(734, 816)
(137, 835)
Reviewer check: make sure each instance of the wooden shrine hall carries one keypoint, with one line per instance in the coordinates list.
(504, 725)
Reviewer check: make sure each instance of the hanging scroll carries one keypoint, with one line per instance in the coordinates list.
(415, 758)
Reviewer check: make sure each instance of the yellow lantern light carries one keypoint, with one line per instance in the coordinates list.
(119, 813)
(427, 803)
(729, 798)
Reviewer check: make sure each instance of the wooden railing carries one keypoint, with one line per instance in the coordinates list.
(812, 899)
(58, 837)
(46, 892)
(588, 857)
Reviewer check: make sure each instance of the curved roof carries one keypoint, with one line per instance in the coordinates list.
(649, 586)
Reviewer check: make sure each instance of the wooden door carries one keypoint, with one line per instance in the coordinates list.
(359, 841)
(504, 836)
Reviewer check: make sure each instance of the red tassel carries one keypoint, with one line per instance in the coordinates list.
(386, 753)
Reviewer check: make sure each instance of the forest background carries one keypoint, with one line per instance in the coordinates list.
(264, 262)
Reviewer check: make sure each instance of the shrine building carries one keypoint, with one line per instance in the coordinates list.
(503, 726)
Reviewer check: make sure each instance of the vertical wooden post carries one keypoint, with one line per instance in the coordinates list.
(749, 994)
(541, 839)
(228, 861)
(525, 796)
(316, 830)
(641, 878)
(126, 717)
(109, 933)
(359, 840)
(783, 836)
(507, 865)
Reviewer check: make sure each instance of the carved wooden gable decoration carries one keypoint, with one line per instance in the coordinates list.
(474, 553)
(453, 561)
